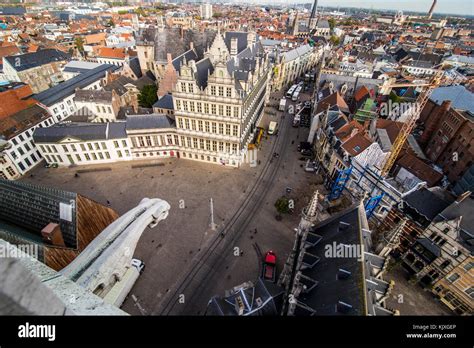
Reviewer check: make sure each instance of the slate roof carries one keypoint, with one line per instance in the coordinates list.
(188, 55)
(342, 228)
(93, 95)
(32, 207)
(241, 37)
(269, 294)
(297, 52)
(245, 62)
(35, 59)
(169, 40)
(460, 59)
(429, 202)
(12, 11)
(464, 208)
(118, 85)
(65, 89)
(153, 121)
(204, 68)
(81, 131)
(460, 97)
(165, 102)
(134, 64)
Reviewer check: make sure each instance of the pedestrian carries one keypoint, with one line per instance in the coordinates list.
(108, 203)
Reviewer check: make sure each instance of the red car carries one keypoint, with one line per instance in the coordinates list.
(269, 266)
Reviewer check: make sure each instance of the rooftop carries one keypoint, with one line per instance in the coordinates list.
(80, 132)
(22, 120)
(460, 97)
(65, 89)
(153, 121)
(27, 61)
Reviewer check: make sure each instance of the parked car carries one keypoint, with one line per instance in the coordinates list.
(138, 264)
(269, 267)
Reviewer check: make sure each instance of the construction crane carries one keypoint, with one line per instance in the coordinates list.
(413, 116)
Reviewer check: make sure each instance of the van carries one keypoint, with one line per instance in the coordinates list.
(272, 128)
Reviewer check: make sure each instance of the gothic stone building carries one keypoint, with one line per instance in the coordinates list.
(220, 99)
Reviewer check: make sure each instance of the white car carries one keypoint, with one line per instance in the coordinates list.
(138, 264)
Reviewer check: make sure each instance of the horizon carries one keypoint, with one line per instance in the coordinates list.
(453, 7)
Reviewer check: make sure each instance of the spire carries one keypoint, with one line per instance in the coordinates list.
(391, 239)
(313, 206)
(314, 12)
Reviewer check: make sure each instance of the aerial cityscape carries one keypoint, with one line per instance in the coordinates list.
(213, 158)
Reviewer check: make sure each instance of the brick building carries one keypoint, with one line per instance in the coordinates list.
(447, 138)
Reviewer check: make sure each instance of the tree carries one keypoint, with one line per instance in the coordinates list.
(335, 40)
(332, 23)
(147, 96)
(79, 41)
(282, 205)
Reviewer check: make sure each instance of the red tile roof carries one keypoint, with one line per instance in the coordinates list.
(112, 52)
(355, 145)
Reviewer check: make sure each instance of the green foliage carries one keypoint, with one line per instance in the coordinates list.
(140, 11)
(335, 40)
(148, 96)
(79, 41)
(282, 205)
(332, 23)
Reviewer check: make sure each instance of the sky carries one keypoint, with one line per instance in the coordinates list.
(461, 7)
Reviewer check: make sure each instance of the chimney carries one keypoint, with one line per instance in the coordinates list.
(446, 105)
(52, 234)
(192, 64)
(191, 45)
(169, 58)
(233, 46)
